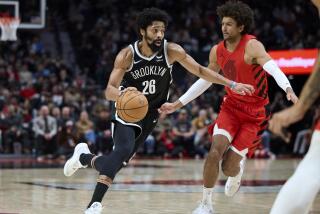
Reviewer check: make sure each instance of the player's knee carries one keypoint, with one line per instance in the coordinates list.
(115, 163)
(229, 169)
(214, 155)
(220, 144)
(124, 152)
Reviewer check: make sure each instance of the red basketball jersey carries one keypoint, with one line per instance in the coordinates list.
(235, 68)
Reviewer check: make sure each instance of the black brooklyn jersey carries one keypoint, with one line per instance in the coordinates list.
(150, 75)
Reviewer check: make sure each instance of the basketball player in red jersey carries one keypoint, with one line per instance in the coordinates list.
(242, 119)
(308, 170)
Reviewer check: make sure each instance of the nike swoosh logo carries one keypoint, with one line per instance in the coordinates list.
(159, 57)
(136, 62)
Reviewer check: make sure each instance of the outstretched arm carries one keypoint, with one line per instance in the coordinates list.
(198, 88)
(258, 55)
(193, 92)
(177, 54)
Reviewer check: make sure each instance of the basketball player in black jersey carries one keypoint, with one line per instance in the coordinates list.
(146, 66)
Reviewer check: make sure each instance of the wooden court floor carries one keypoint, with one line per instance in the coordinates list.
(146, 186)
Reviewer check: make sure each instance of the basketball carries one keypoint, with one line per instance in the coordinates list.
(132, 106)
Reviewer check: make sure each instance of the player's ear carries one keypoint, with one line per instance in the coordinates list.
(142, 32)
(241, 28)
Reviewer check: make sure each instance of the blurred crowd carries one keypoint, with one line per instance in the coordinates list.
(47, 106)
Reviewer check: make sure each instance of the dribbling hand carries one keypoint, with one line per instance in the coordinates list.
(127, 89)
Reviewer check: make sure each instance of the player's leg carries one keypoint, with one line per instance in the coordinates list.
(234, 160)
(231, 162)
(225, 128)
(233, 166)
(211, 166)
(126, 144)
(147, 125)
(303, 185)
(246, 140)
(211, 172)
(109, 165)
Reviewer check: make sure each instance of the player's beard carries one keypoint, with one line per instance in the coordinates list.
(152, 45)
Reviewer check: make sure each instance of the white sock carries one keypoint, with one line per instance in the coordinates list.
(299, 191)
(207, 195)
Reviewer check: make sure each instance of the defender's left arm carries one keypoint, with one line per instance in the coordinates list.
(258, 55)
(177, 54)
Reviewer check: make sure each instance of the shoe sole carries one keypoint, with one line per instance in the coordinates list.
(73, 159)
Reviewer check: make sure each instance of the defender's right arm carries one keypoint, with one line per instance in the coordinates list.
(198, 88)
(201, 85)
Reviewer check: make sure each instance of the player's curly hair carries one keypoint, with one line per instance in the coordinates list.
(240, 12)
(149, 15)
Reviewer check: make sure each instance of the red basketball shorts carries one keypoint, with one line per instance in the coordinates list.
(243, 125)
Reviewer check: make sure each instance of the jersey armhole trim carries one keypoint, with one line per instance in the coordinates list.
(166, 53)
(132, 50)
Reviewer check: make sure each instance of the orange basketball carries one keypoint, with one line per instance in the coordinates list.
(132, 106)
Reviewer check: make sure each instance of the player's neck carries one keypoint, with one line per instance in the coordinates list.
(144, 49)
(231, 44)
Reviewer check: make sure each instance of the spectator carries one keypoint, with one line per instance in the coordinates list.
(45, 129)
(165, 145)
(163, 136)
(85, 130)
(103, 131)
(14, 140)
(66, 115)
(202, 140)
(56, 113)
(183, 135)
(67, 140)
